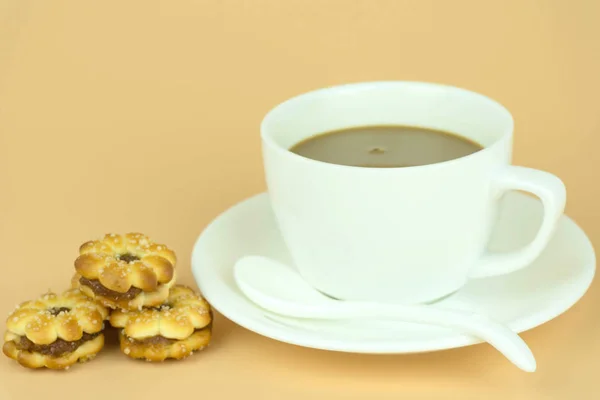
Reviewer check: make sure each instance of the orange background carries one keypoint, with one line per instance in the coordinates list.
(144, 115)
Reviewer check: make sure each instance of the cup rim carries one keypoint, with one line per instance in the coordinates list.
(272, 144)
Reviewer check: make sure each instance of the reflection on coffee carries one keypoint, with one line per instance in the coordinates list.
(385, 146)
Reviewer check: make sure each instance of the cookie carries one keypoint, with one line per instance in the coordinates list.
(175, 329)
(125, 271)
(55, 331)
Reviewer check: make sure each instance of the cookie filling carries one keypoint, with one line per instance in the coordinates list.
(100, 290)
(55, 349)
(58, 310)
(156, 340)
(128, 257)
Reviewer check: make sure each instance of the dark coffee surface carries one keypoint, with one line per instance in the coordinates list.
(385, 146)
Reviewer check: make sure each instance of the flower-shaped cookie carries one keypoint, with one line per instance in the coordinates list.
(175, 329)
(55, 331)
(125, 271)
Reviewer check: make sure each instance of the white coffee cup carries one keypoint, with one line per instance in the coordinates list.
(402, 235)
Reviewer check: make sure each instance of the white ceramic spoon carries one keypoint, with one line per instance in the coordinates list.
(277, 288)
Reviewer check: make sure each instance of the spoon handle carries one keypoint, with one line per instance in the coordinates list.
(499, 336)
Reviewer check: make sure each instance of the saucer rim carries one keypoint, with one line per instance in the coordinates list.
(452, 340)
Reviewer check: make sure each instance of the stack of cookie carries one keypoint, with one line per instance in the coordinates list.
(127, 280)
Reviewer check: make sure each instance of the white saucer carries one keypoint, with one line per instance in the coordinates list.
(522, 300)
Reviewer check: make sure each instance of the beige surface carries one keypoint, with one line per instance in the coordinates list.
(143, 115)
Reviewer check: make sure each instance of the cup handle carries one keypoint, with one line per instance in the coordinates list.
(551, 191)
